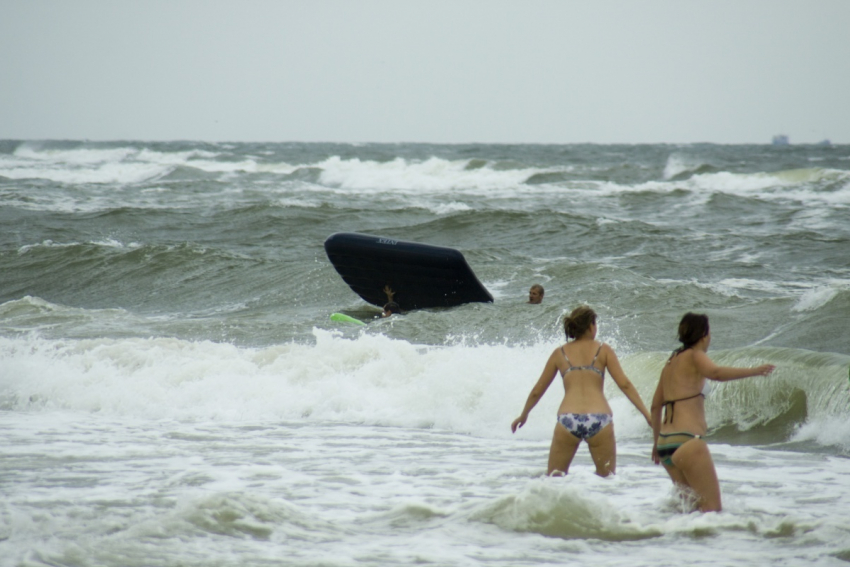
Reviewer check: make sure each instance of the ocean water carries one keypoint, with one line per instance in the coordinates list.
(173, 391)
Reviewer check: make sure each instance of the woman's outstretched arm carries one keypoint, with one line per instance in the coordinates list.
(706, 367)
(546, 377)
(623, 382)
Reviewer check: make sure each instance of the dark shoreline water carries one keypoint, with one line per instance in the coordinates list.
(232, 233)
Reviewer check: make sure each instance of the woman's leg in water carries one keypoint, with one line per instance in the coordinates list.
(603, 451)
(696, 470)
(562, 451)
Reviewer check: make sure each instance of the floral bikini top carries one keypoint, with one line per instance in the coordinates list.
(600, 371)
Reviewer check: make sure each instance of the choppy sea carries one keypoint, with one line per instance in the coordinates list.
(174, 393)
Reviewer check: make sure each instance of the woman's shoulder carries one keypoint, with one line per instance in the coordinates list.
(682, 356)
(682, 366)
(558, 352)
(605, 353)
(596, 347)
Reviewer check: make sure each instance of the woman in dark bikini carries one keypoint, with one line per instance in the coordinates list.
(584, 414)
(679, 443)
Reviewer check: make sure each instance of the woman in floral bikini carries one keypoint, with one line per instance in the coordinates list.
(584, 414)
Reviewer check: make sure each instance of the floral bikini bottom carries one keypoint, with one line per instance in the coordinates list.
(584, 425)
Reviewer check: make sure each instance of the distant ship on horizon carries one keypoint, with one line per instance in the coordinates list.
(782, 140)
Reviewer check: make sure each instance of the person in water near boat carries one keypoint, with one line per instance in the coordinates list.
(390, 308)
(535, 294)
(389, 293)
(584, 414)
(679, 436)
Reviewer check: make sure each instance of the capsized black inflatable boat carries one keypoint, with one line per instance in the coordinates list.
(420, 275)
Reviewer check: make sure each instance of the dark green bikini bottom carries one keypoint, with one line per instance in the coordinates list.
(669, 442)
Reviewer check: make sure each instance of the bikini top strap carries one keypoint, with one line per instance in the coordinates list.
(671, 406)
(565, 356)
(596, 355)
(683, 399)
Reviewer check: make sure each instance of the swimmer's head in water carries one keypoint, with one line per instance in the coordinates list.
(390, 308)
(535, 294)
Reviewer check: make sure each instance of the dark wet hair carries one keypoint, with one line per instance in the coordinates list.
(539, 288)
(579, 321)
(692, 328)
(392, 307)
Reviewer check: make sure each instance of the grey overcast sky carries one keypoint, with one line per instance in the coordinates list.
(529, 71)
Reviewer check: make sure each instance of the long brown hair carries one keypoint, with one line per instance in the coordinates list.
(692, 328)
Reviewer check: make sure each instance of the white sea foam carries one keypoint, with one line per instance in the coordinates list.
(433, 174)
(819, 296)
(801, 185)
(474, 389)
(117, 244)
(174, 158)
(46, 244)
(809, 296)
(298, 202)
(730, 286)
(678, 164)
(79, 156)
(104, 489)
(106, 243)
(828, 431)
(498, 288)
(122, 172)
(115, 165)
(449, 208)
(740, 254)
(372, 379)
(243, 166)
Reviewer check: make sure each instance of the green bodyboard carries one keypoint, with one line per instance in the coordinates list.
(340, 318)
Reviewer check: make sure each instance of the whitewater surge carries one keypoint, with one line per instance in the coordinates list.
(375, 380)
(371, 379)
